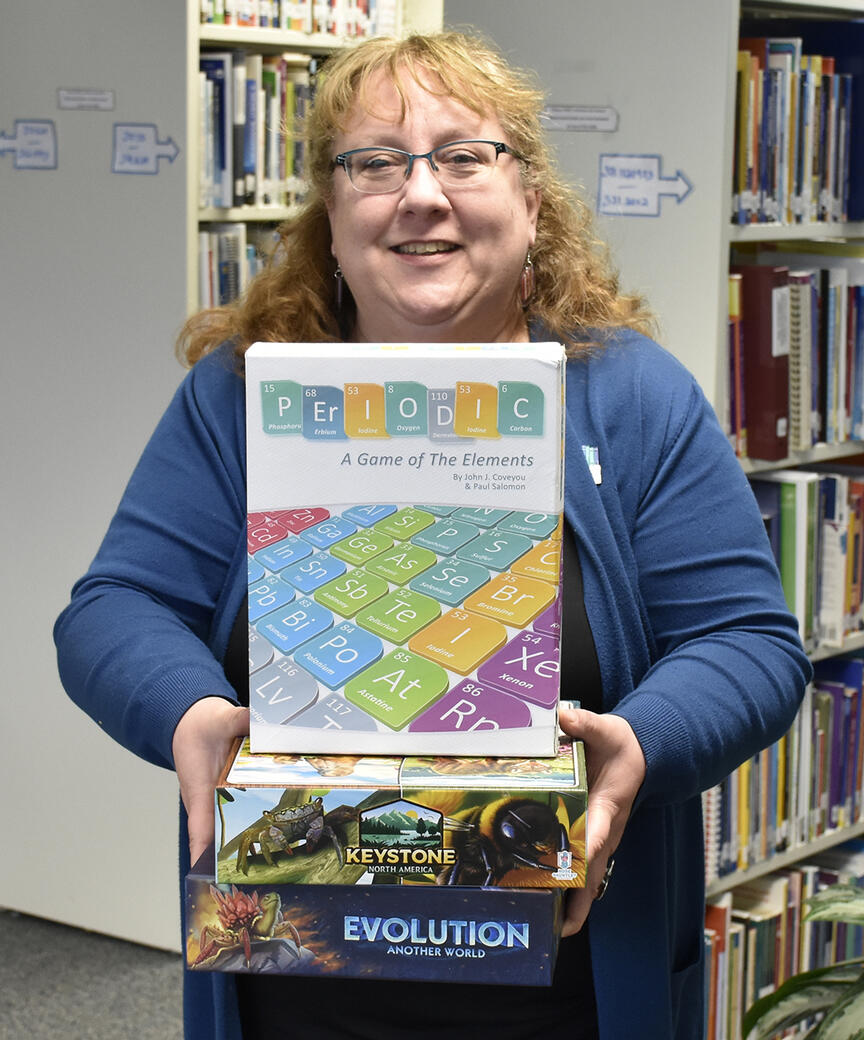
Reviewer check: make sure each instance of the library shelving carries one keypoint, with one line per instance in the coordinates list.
(298, 47)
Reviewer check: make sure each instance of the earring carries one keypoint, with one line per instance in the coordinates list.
(339, 283)
(526, 281)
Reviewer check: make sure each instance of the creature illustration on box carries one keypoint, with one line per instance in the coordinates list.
(247, 924)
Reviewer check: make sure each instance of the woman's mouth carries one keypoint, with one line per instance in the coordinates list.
(424, 248)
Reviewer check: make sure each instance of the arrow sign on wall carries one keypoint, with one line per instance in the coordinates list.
(34, 142)
(632, 186)
(137, 148)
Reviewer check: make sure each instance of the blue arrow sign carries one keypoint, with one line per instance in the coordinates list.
(632, 186)
(34, 142)
(137, 148)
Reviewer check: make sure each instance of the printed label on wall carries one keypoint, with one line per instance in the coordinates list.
(34, 144)
(632, 186)
(137, 148)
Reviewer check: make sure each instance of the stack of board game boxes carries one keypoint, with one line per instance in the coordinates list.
(404, 806)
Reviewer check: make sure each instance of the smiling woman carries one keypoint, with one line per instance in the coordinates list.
(434, 213)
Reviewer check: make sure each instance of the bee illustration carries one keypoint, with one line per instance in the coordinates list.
(505, 835)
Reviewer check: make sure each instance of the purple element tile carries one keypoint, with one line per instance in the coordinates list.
(470, 706)
(549, 621)
(526, 667)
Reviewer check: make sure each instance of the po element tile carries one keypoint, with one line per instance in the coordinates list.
(397, 688)
(339, 654)
(280, 691)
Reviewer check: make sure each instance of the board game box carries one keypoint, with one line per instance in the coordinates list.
(404, 540)
(432, 821)
(504, 936)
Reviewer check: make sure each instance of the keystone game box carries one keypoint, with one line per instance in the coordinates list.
(433, 821)
(504, 936)
(404, 538)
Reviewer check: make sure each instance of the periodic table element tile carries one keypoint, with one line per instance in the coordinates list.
(280, 691)
(297, 520)
(334, 712)
(294, 624)
(459, 640)
(534, 525)
(365, 516)
(406, 408)
(260, 651)
(361, 546)
(475, 412)
(450, 581)
(520, 409)
(528, 667)
(338, 654)
(405, 523)
(329, 531)
(543, 561)
(352, 592)
(446, 536)
(549, 622)
(397, 688)
(313, 572)
(401, 563)
(495, 549)
(473, 706)
(481, 517)
(279, 555)
(268, 595)
(365, 414)
(263, 533)
(255, 572)
(436, 510)
(323, 413)
(399, 615)
(512, 599)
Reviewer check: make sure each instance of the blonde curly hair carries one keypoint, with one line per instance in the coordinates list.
(576, 295)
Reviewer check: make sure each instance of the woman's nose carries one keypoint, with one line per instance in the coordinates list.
(422, 187)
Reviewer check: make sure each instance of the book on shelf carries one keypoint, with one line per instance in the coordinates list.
(217, 66)
(836, 158)
(736, 421)
(765, 335)
(344, 19)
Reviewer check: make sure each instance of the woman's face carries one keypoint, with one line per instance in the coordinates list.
(425, 263)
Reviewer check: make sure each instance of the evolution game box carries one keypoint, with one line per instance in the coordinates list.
(377, 820)
(503, 936)
(404, 547)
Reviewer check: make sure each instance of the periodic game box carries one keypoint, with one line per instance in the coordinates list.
(504, 936)
(404, 538)
(355, 820)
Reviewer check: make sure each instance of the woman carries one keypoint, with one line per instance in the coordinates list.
(433, 213)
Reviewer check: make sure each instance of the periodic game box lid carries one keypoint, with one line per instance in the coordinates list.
(404, 538)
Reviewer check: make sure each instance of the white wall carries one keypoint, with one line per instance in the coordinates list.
(663, 66)
(91, 297)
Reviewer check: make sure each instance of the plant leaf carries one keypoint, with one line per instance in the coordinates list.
(840, 902)
(799, 998)
(845, 1020)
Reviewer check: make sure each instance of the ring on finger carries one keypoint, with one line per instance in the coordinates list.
(604, 881)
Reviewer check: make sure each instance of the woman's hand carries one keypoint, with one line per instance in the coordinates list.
(616, 769)
(201, 743)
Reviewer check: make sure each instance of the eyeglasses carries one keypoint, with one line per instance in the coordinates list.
(458, 164)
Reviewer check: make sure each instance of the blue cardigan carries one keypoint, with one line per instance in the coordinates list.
(696, 647)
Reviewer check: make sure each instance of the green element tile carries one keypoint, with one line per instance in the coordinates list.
(397, 688)
(405, 523)
(520, 409)
(361, 547)
(401, 563)
(451, 581)
(399, 615)
(351, 592)
(437, 510)
(496, 549)
(281, 407)
(446, 536)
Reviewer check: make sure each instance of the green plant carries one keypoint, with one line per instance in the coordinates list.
(836, 993)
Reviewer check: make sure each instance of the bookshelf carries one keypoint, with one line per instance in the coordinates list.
(420, 15)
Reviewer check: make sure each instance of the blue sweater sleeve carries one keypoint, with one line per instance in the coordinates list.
(702, 656)
(135, 645)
